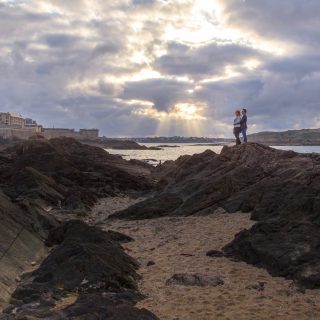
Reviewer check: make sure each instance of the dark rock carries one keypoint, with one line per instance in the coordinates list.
(285, 249)
(215, 254)
(197, 280)
(154, 207)
(249, 178)
(150, 263)
(85, 261)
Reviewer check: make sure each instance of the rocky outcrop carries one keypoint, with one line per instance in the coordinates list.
(38, 179)
(250, 178)
(93, 270)
(280, 188)
(63, 172)
(285, 249)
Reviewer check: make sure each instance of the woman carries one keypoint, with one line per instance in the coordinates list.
(237, 126)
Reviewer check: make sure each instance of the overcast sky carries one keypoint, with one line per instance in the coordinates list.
(161, 67)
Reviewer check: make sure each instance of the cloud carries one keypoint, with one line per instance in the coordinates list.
(116, 64)
(204, 61)
(163, 94)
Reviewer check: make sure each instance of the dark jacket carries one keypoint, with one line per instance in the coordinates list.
(244, 122)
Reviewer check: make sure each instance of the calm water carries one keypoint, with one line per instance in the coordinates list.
(169, 153)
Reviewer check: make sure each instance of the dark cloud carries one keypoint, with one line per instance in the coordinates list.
(164, 94)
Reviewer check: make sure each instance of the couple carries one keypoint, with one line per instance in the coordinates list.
(240, 126)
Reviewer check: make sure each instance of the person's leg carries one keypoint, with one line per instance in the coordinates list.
(244, 135)
(237, 134)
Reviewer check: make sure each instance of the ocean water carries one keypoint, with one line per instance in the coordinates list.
(172, 153)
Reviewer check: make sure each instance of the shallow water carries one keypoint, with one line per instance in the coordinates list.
(171, 153)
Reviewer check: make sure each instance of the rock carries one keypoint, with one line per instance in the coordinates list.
(93, 266)
(215, 254)
(284, 248)
(248, 178)
(150, 263)
(197, 280)
(259, 286)
(154, 207)
(280, 188)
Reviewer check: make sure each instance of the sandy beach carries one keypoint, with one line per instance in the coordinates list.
(169, 246)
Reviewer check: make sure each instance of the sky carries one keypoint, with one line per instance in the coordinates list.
(161, 67)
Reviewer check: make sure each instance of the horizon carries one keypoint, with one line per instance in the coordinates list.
(144, 68)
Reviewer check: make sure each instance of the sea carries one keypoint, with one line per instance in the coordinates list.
(172, 151)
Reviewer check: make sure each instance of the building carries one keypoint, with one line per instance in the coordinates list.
(89, 134)
(51, 133)
(82, 134)
(12, 119)
(13, 125)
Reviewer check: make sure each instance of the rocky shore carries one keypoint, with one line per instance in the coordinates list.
(86, 272)
(280, 188)
(64, 207)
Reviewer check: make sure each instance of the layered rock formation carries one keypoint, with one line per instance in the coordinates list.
(280, 188)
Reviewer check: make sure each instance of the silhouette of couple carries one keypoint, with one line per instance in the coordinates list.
(240, 126)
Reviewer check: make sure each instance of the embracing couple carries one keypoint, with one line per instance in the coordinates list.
(240, 126)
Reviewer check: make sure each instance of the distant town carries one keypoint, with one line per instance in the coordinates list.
(15, 126)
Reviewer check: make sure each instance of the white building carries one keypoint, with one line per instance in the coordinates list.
(12, 119)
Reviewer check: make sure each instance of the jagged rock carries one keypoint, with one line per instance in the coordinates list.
(285, 249)
(249, 178)
(197, 280)
(87, 263)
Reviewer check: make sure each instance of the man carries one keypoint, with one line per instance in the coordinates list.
(244, 126)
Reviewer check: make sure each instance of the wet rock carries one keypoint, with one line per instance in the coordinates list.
(197, 280)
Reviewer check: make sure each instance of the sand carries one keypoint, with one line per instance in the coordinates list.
(179, 245)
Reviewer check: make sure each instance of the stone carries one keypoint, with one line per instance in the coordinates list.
(196, 280)
(258, 287)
